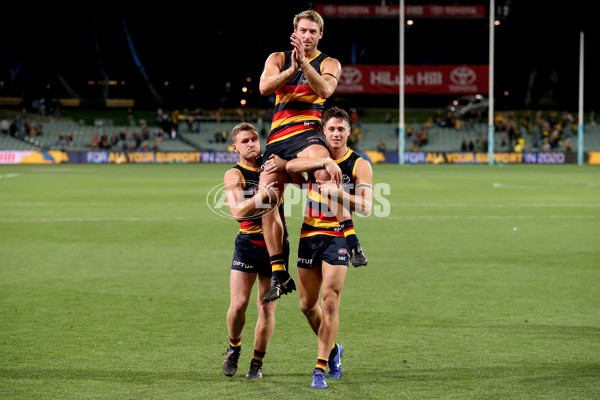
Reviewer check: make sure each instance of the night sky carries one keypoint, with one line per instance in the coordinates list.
(206, 55)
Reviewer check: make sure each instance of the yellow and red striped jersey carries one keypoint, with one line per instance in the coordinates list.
(297, 107)
(318, 218)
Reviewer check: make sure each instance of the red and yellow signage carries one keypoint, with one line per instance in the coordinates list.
(418, 79)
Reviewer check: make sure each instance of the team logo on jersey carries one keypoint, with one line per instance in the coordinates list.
(252, 190)
(342, 251)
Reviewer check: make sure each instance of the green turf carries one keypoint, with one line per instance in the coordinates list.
(114, 285)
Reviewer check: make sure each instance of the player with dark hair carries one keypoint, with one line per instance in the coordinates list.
(322, 251)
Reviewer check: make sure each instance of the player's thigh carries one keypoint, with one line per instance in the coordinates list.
(240, 286)
(314, 151)
(317, 151)
(281, 178)
(334, 277)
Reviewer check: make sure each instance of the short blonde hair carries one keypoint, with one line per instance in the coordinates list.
(243, 126)
(310, 15)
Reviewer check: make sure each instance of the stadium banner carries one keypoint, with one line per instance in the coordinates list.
(135, 157)
(393, 11)
(33, 157)
(220, 157)
(594, 157)
(422, 157)
(159, 157)
(224, 157)
(418, 79)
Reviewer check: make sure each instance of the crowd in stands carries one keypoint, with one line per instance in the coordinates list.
(126, 140)
(21, 127)
(546, 131)
(549, 131)
(64, 140)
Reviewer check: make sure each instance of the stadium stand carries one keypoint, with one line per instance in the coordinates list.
(450, 139)
(11, 143)
(205, 137)
(82, 138)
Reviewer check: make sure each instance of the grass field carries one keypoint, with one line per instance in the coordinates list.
(114, 285)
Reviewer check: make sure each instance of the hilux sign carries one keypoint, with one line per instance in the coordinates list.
(418, 79)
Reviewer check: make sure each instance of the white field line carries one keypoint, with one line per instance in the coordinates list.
(393, 217)
(482, 217)
(408, 205)
(55, 170)
(127, 219)
(517, 186)
(87, 204)
(488, 205)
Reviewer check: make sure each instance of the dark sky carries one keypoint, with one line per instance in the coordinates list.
(208, 48)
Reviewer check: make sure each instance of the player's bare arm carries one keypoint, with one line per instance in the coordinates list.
(272, 78)
(277, 164)
(240, 207)
(361, 201)
(323, 82)
(299, 165)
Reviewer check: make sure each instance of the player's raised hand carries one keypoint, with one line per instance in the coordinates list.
(296, 42)
(275, 164)
(329, 189)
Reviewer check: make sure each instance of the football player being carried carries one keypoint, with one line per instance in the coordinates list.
(302, 78)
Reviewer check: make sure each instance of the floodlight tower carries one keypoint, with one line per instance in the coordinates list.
(580, 116)
(491, 89)
(401, 93)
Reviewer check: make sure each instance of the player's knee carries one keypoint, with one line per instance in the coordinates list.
(238, 306)
(308, 309)
(330, 305)
(266, 311)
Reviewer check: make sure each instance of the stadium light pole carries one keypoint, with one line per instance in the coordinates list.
(491, 89)
(401, 90)
(580, 117)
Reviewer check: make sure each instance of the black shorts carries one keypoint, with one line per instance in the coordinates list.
(314, 249)
(249, 257)
(289, 148)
